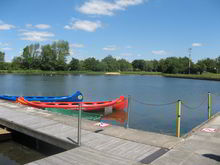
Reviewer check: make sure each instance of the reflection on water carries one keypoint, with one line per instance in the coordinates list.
(24, 149)
(118, 116)
(12, 153)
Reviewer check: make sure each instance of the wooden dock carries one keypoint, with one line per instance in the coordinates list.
(112, 145)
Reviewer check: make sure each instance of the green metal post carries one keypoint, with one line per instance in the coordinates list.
(178, 114)
(209, 105)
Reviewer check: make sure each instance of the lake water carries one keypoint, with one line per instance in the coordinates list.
(12, 153)
(146, 89)
(22, 149)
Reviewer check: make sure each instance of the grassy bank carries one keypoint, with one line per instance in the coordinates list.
(142, 73)
(49, 72)
(204, 76)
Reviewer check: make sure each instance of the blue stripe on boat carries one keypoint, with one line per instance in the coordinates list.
(76, 97)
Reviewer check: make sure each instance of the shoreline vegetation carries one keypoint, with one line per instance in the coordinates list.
(204, 76)
(55, 58)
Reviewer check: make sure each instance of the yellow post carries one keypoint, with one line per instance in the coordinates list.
(209, 105)
(178, 113)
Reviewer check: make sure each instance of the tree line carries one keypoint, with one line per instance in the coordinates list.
(53, 57)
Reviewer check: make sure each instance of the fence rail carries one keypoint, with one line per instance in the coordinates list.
(179, 105)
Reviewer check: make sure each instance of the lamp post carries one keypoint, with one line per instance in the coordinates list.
(190, 51)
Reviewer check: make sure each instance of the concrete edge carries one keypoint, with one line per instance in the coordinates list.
(200, 125)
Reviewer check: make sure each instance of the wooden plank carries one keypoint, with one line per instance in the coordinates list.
(96, 157)
(96, 148)
(53, 160)
(33, 163)
(124, 148)
(34, 123)
(84, 155)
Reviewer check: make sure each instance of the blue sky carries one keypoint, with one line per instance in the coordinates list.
(129, 29)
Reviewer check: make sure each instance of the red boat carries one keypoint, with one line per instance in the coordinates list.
(117, 104)
(119, 116)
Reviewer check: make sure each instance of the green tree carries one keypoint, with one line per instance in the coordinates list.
(16, 63)
(112, 64)
(2, 56)
(155, 65)
(139, 65)
(124, 65)
(3, 64)
(61, 52)
(74, 64)
(91, 64)
(30, 56)
(148, 66)
(207, 65)
(184, 65)
(48, 58)
(218, 65)
(169, 65)
(102, 66)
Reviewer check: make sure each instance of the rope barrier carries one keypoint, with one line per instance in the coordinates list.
(170, 103)
(196, 107)
(215, 94)
(148, 104)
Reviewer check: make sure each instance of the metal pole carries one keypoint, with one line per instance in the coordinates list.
(209, 105)
(190, 49)
(128, 110)
(178, 114)
(79, 124)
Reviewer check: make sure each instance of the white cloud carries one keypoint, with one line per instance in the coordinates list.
(128, 47)
(43, 26)
(6, 49)
(126, 3)
(118, 57)
(197, 44)
(28, 25)
(72, 52)
(4, 26)
(38, 26)
(159, 52)
(76, 45)
(110, 48)
(126, 54)
(85, 25)
(101, 7)
(4, 44)
(35, 35)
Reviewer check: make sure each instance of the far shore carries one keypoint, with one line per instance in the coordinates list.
(204, 76)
